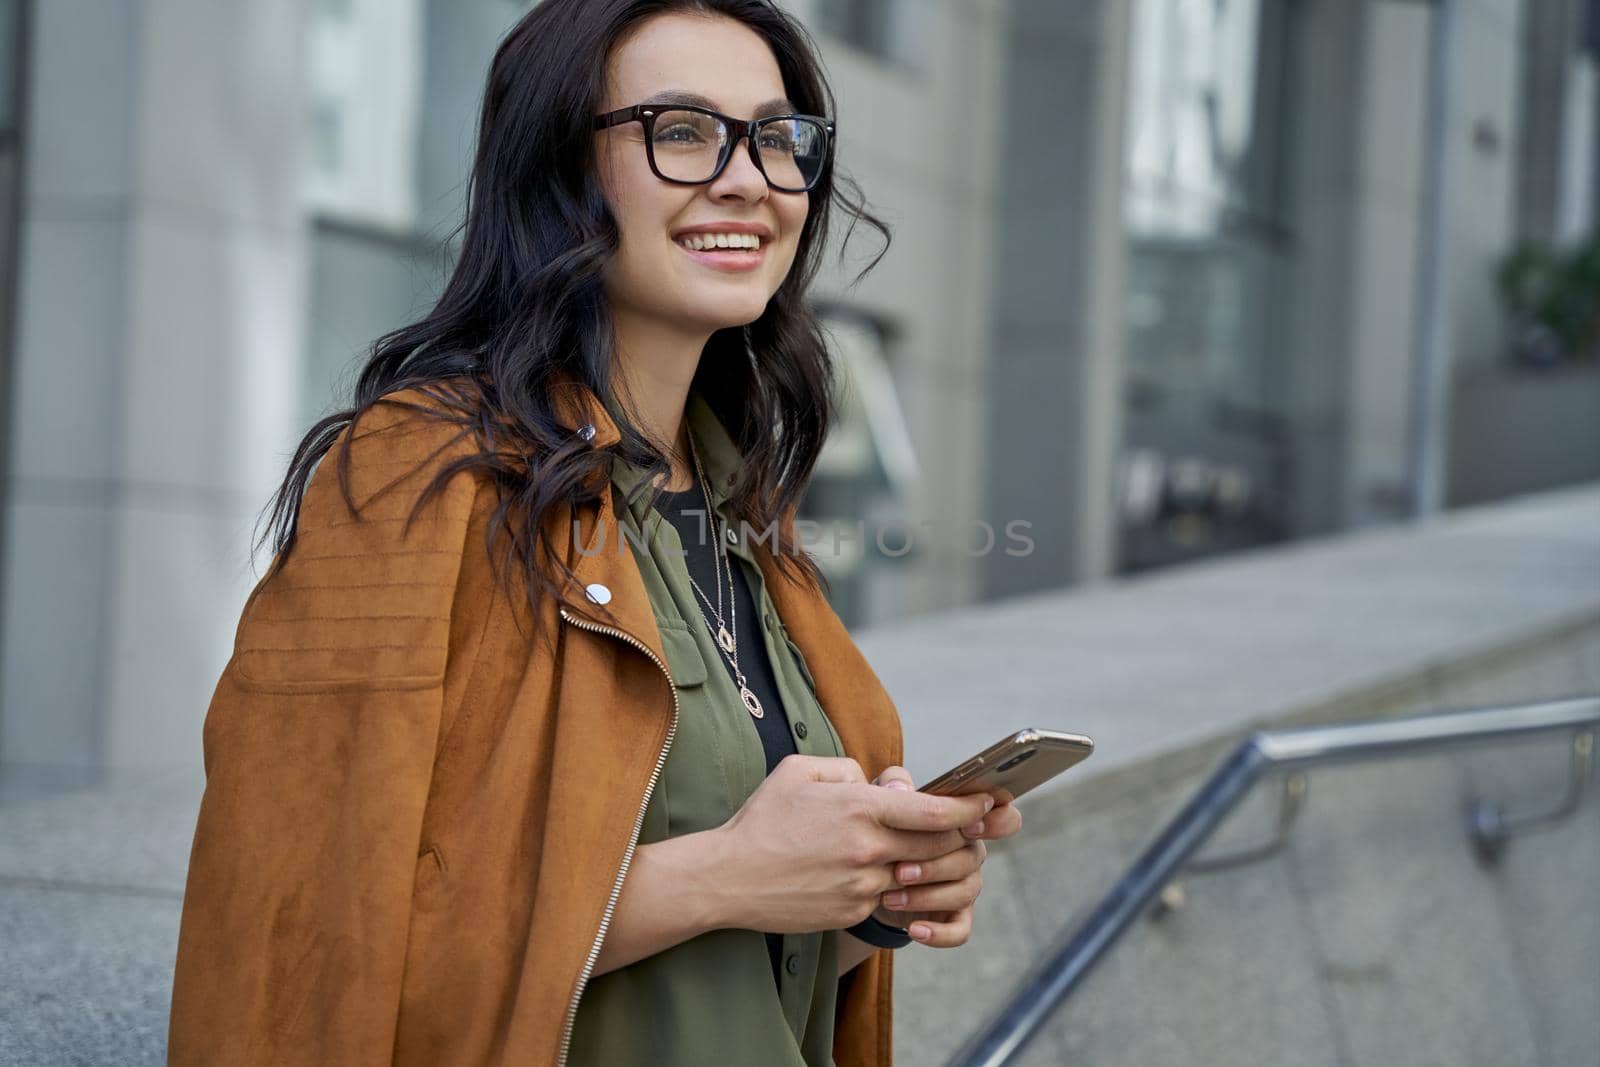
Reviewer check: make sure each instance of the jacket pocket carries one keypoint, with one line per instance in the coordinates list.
(684, 661)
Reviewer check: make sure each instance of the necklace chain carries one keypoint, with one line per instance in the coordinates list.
(727, 633)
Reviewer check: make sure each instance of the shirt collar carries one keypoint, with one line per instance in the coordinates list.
(719, 456)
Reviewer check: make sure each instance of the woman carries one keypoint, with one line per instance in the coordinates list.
(511, 762)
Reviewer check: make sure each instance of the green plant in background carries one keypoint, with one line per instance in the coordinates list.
(1553, 299)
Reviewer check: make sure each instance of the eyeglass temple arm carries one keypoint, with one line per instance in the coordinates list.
(616, 118)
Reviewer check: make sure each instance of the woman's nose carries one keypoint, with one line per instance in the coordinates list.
(741, 175)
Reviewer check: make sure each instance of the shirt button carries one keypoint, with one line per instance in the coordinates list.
(586, 431)
(597, 593)
(793, 964)
(800, 730)
(733, 536)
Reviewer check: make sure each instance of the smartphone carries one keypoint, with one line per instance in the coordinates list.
(1014, 764)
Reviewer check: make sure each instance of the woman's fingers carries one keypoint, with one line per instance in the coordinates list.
(940, 896)
(1003, 821)
(910, 810)
(948, 934)
(937, 895)
(895, 777)
(949, 867)
(841, 769)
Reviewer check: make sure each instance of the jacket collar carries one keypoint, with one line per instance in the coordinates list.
(580, 410)
(597, 552)
(814, 627)
(718, 455)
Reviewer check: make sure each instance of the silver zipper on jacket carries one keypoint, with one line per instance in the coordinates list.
(638, 826)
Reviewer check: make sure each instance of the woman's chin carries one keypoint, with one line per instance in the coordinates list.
(720, 314)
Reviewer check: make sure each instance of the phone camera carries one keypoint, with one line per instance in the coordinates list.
(1014, 760)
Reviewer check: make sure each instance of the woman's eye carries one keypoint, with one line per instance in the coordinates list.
(681, 134)
(777, 142)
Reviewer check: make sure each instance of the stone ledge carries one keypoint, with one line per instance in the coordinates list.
(1167, 670)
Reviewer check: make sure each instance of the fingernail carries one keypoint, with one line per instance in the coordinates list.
(899, 784)
(988, 802)
(896, 900)
(920, 932)
(911, 872)
(975, 830)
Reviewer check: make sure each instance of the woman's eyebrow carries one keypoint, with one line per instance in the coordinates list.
(778, 106)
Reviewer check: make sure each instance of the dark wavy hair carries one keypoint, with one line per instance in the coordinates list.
(524, 304)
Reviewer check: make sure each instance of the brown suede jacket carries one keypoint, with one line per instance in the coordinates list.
(415, 825)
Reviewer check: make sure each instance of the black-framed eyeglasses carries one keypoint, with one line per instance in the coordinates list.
(691, 145)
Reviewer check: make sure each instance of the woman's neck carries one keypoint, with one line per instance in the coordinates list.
(656, 387)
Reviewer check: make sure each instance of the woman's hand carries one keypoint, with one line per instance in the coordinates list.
(816, 845)
(935, 897)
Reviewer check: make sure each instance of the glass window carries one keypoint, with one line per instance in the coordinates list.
(10, 169)
(892, 29)
(10, 14)
(364, 61)
(1208, 255)
(866, 473)
(392, 99)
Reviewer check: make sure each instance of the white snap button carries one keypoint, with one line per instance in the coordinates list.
(733, 536)
(586, 431)
(597, 593)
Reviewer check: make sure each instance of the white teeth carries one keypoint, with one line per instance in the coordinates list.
(698, 241)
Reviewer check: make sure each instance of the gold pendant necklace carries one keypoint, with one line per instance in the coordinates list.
(727, 638)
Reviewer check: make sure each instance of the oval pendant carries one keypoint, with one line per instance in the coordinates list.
(725, 639)
(751, 703)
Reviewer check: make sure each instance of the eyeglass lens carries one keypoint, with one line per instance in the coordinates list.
(688, 146)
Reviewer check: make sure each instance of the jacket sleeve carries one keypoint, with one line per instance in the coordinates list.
(318, 745)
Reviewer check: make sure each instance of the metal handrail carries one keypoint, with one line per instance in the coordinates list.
(1019, 1021)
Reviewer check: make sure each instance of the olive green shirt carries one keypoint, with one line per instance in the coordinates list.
(712, 999)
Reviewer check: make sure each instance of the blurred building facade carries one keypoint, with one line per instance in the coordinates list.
(1169, 278)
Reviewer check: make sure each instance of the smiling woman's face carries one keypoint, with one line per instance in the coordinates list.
(655, 276)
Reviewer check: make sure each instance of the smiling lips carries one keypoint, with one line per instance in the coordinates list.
(724, 251)
(696, 242)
